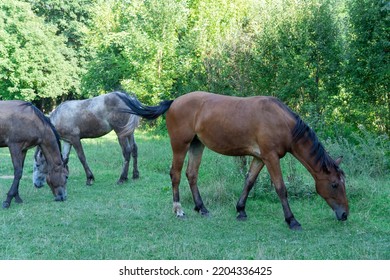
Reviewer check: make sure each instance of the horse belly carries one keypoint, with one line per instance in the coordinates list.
(81, 126)
(228, 141)
(24, 133)
(94, 131)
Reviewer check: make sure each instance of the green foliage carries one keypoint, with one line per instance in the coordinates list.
(366, 154)
(136, 47)
(327, 59)
(34, 61)
(72, 19)
(367, 69)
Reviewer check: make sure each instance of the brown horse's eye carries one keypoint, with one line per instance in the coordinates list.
(334, 185)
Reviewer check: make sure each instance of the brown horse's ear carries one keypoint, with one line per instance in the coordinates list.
(339, 160)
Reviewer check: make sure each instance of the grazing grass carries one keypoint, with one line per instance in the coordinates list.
(135, 220)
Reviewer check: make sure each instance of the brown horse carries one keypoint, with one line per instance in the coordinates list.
(261, 127)
(23, 126)
(92, 118)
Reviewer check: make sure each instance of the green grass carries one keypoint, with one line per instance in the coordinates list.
(135, 220)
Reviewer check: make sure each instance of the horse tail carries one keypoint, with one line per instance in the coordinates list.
(134, 106)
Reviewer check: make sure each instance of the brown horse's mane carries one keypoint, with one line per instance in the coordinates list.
(302, 131)
(45, 120)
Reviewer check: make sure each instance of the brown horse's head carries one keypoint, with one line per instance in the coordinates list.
(56, 179)
(332, 188)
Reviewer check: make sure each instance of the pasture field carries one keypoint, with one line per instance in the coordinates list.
(135, 220)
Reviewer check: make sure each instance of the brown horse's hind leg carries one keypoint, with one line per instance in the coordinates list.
(194, 159)
(250, 180)
(179, 154)
(273, 166)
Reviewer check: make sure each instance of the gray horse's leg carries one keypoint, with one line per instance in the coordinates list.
(126, 152)
(66, 147)
(134, 154)
(80, 153)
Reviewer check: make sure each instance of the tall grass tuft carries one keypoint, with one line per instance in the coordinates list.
(365, 154)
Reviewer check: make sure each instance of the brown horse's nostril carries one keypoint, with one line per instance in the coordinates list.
(59, 198)
(61, 195)
(344, 216)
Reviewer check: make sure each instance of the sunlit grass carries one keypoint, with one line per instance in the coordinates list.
(135, 220)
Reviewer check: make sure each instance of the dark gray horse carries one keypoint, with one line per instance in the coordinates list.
(92, 118)
(23, 126)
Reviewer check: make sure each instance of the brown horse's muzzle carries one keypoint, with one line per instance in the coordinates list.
(60, 194)
(341, 213)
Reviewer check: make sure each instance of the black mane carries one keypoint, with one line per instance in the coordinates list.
(302, 131)
(45, 120)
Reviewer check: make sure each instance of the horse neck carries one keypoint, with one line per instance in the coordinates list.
(51, 149)
(301, 151)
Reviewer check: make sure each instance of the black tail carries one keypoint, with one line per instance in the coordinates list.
(137, 108)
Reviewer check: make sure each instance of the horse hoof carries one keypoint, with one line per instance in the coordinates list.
(202, 210)
(295, 226)
(136, 176)
(121, 181)
(181, 216)
(6, 205)
(242, 217)
(89, 183)
(205, 214)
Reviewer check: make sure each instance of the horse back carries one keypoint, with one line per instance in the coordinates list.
(19, 124)
(89, 118)
(232, 125)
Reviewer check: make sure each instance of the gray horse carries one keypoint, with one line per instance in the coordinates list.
(91, 118)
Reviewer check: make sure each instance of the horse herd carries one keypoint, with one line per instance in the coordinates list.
(262, 127)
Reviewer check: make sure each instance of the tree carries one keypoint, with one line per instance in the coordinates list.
(367, 69)
(71, 19)
(136, 47)
(34, 62)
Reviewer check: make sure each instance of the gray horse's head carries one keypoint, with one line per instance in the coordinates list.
(40, 169)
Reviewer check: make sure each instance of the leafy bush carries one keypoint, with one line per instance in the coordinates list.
(365, 154)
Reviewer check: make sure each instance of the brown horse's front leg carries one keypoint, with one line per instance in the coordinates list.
(250, 180)
(17, 161)
(274, 170)
(11, 194)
